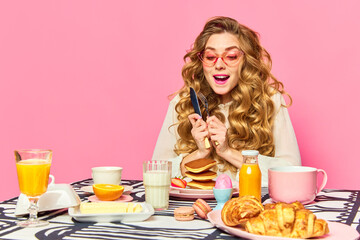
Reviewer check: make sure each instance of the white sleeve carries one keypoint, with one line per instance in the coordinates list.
(286, 148)
(164, 148)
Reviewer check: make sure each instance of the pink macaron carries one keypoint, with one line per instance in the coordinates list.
(184, 213)
(201, 208)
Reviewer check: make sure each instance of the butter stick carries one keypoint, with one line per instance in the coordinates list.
(109, 207)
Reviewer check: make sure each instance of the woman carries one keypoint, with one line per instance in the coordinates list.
(228, 65)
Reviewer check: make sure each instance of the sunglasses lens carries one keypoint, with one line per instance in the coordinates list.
(231, 58)
(209, 58)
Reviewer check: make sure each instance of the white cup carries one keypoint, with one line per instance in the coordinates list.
(107, 175)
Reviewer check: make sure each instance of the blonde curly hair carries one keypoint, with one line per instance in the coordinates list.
(251, 113)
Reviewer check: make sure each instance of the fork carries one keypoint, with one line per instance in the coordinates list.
(206, 105)
(204, 102)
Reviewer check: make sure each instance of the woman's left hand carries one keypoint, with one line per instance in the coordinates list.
(218, 134)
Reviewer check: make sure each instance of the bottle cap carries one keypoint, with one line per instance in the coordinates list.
(250, 152)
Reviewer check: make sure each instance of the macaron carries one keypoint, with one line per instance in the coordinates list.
(200, 165)
(201, 208)
(184, 213)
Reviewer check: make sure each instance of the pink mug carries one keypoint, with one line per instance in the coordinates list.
(295, 183)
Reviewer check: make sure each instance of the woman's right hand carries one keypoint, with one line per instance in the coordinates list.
(199, 132)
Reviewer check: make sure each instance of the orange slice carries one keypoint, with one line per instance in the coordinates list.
(108, 192)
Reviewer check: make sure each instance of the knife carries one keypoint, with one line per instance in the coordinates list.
(195, 103)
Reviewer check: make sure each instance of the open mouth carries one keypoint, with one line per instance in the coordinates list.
(221, 79)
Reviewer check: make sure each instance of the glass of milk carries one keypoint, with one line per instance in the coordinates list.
(157, 179)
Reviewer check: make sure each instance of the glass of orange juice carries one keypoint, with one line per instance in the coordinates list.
(33, 168)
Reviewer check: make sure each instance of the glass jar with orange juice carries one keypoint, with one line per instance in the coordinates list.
(250, 175)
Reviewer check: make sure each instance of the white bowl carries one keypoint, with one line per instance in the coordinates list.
(58, 196)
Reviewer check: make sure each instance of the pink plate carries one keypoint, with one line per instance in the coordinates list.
(89, 189)
(190, 193)
(338, 231)
(123, 198)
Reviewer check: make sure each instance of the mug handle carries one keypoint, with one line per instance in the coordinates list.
(323, 181)
(52, 179)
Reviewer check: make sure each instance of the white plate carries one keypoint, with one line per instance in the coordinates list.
(89, 189)
(147, 212)
(337, 230)
(190, 193)
(57, 196)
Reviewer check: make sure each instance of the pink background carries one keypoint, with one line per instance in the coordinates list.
(90, 79)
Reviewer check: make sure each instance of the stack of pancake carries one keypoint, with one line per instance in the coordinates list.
(198, 171)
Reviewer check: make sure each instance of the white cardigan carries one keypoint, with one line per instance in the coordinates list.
(286, 147)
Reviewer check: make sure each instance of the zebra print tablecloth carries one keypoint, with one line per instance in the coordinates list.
(332, 205)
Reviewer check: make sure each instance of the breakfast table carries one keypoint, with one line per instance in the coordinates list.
(333, 205)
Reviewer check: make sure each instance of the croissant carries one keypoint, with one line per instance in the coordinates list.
(287, 220)
(296, 204)
(237, 211)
